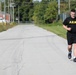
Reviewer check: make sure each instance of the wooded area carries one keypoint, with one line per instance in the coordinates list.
(45, 11)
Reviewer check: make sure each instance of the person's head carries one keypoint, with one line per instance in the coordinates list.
(72, 13)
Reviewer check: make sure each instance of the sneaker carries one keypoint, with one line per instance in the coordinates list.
(69, 55)
(74, 59)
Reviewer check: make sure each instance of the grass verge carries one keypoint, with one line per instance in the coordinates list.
(56, 28)
(4, 27)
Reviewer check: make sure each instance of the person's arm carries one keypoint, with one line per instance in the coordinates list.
(67, 28)
(65, 24)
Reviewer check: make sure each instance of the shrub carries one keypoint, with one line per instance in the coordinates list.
(5, 26)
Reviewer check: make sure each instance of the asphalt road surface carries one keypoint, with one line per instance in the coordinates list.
(30, 50)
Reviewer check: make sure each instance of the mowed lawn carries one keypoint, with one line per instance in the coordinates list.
(56, 28)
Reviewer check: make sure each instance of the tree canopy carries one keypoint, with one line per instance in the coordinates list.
(40, 12)
(25, 9)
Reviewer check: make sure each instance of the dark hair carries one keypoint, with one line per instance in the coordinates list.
(73, 10)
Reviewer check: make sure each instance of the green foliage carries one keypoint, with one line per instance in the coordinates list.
(39, 12)
(51, 12)
(73, 4)
(6, 26)
(31, 13)
(25, 9)
(64, 7)
(45, 12)
(56, 28)
(2, 27)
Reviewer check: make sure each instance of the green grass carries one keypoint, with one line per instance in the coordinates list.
(56, 28)
(4, 27)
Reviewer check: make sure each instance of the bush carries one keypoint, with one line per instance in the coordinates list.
(51, 12)
(6, 26)
(39, 11)
(45, 12)
(2, 27)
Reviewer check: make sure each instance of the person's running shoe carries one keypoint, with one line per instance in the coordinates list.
(69, 55)
(74, 59)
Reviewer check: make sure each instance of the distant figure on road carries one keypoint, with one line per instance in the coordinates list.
(70, 25)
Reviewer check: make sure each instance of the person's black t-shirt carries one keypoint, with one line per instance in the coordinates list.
(70, 22)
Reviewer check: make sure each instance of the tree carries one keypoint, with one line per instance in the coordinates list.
(73, 4)
(24, 7)
(51, 12)
(39, 12)
(31, 13)
(64, 6)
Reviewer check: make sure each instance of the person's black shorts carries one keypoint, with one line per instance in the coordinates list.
(71, 38)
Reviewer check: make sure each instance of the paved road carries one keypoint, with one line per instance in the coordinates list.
(30, 50)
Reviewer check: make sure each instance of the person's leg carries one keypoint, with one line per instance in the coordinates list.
(69, 48)
(69, 51)
(74, 47)
(70, 42)
(74, 53)
(74, 50)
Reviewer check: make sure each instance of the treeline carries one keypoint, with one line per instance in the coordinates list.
(23, 9)
(39, 12)
(45, 11)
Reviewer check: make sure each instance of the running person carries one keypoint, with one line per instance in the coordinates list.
(70, 25)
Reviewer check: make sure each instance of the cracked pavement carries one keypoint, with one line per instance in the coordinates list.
(31, 50)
